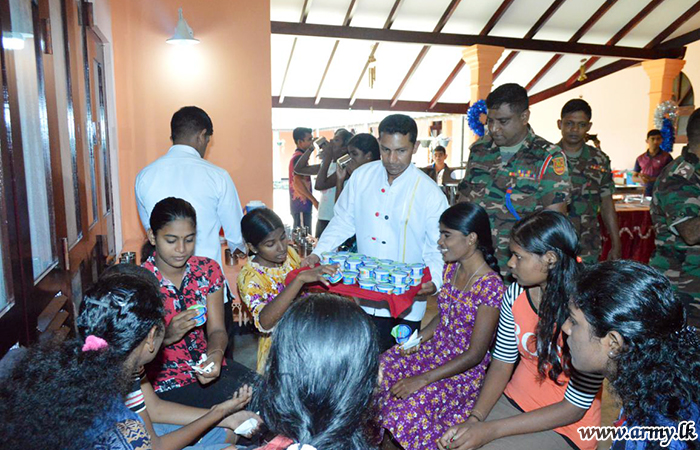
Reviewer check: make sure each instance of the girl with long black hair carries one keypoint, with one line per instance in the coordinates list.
(540, 404)
(452, 358)
(320, 375)
(627, 324)
(74, 394)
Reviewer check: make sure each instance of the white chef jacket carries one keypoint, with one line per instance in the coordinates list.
(398, 221)
(184, 174)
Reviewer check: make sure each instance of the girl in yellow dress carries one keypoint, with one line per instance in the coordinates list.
(261, 281)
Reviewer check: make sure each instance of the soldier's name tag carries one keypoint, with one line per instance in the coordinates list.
(559, 165)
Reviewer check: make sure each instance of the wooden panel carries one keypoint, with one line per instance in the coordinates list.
(54, 309)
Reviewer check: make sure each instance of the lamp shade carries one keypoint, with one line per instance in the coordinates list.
(183, 33)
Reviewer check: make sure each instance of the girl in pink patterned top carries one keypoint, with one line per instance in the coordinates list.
(187, 280)
(429, 388)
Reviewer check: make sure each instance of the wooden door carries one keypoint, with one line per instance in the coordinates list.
(56, 219)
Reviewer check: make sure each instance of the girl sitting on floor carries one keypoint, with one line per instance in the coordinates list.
(185, 281)
(627, 324)
(320, 375)
(450, 363)
(71, 394)
(261, 281)
(540, 404)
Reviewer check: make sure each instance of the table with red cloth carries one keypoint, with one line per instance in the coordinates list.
(636, 233)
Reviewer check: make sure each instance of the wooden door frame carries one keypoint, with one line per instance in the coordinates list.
(30, 297)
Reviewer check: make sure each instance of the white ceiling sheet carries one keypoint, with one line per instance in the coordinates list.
(433, 71)
(393, 62)
(654, 23)
(562, 70)
(306, 69)
(281, 46)
(395, 59)
(458, 91)
(568, 19)
(470, 17)
(519, 18)
(349, 59)
(372, 13)
(617, 17)
(523, 68)
(420, 15)
(602, 62)
(286, 10)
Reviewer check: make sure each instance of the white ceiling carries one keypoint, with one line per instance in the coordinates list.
(311, 54)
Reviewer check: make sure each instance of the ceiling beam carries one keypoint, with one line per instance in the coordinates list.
(682, 40)
(451, 77)
(463, 40)
(370, 104)
(387, 25)
(592, 76)
(544, 18)
(597, 15)
(424, 51)
(641, 15)
(346, 23)
(676, 24)
(678, 42)
(305, 9)
(460, 64)
(622, 64)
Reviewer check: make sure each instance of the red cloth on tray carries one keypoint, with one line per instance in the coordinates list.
(397, 303)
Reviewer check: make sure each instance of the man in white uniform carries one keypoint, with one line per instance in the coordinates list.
(393, 208)
(184, 173)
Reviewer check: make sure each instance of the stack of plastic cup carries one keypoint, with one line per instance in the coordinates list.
(350, 277)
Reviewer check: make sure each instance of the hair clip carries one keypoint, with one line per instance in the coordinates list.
(126, 297)
(94, 301)
(93, 342)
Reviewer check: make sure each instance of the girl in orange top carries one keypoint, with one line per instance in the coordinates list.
(541, 403)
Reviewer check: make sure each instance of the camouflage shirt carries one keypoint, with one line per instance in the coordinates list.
(677, 199)
(534, 178)
(591, 180)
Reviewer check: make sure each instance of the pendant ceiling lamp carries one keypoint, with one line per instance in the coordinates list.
(183, 33)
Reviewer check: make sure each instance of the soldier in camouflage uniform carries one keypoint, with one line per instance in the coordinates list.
(591, 183)
(675, 211)
(512, 172)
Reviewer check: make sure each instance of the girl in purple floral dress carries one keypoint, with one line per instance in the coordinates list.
(429, 388)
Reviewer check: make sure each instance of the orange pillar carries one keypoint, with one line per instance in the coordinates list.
(661, 73)
(480, 59)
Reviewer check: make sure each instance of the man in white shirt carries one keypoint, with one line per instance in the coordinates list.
(394, 209)
(184, 173)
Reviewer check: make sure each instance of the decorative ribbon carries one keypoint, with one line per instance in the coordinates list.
(509, 204)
